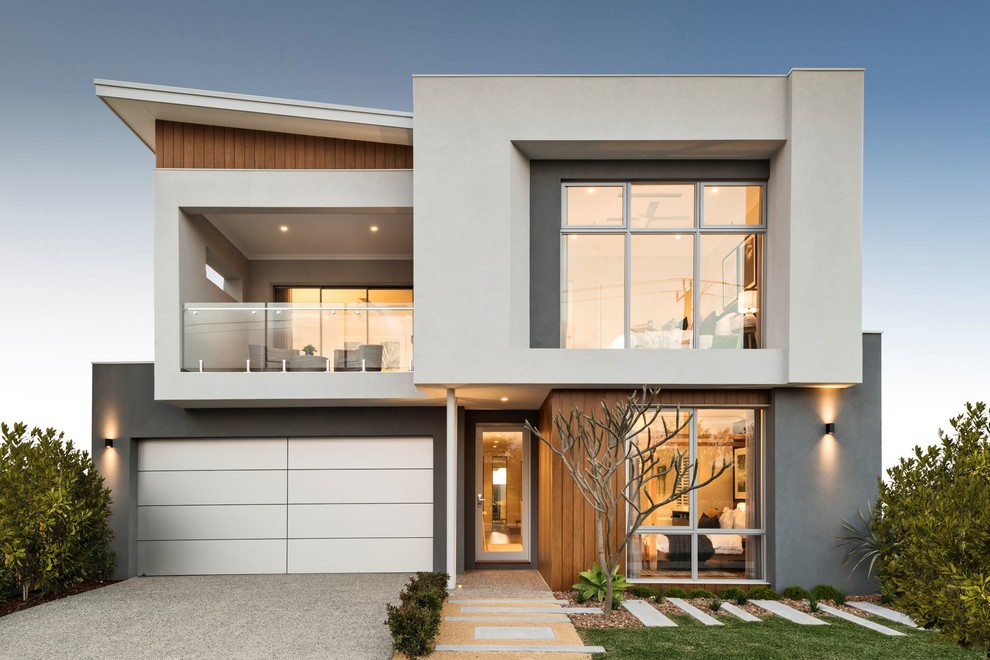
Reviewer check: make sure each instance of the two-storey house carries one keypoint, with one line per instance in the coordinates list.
(356, 310)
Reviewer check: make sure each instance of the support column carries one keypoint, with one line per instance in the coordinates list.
(451, 488)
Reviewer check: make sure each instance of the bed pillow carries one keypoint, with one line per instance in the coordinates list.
(725, 518)
(739, 519)
(708, 522)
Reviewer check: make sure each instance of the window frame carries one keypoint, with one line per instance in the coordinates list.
(692, 529)
(696, 231)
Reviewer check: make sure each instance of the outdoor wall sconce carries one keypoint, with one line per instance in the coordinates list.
(108, 442)
(830, 428)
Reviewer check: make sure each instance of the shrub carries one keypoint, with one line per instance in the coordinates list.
(54, 510)
(700, 593)
(415, 623)
(763, 593)
(828, 592)
(715, 604)
(796, 593)
(735, 594)
(934, 529)
(593, 583)
(579, 597)
(642, 591)
(658, 597)
(813, 603)
(675, 592)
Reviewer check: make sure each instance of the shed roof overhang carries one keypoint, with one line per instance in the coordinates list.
(139, 105)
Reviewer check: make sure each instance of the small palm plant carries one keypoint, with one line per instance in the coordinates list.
(862, 540)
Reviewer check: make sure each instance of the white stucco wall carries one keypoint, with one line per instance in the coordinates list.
(179, 279)
(471, 229)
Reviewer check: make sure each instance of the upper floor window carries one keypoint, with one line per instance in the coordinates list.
(662, 265)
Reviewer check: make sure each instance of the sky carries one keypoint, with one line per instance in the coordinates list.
(75, 184)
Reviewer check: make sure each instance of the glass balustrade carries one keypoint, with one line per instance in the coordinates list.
(296, 337)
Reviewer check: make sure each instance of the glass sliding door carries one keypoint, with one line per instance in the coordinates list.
(502, 515)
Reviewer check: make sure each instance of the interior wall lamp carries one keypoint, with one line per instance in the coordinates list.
(830, 428)
(108, 442)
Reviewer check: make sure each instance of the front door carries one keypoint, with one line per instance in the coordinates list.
(502, 514)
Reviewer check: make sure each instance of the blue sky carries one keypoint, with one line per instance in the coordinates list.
(75, 184)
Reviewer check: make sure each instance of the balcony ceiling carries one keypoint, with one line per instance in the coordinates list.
(323, 235)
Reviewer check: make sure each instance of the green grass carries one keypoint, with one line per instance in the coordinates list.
(769, 639)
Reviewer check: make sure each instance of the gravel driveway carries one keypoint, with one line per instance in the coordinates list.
(242, 616)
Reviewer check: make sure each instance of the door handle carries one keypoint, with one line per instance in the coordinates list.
(481, 501)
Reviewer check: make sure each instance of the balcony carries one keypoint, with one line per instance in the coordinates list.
(297, 337)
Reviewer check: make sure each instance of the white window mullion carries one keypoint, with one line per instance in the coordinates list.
(693, 502)
(627, 289)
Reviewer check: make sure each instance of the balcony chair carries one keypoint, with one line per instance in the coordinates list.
(350, 359)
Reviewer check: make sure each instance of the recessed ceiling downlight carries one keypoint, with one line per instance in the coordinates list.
(284, 228)
(373, 227)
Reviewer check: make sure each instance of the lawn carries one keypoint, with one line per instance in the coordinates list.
(769, 639)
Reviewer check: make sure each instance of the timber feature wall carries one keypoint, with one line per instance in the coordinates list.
(566, 522)
(179, 145)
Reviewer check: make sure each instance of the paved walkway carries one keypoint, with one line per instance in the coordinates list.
(243, 616)
(507, 614)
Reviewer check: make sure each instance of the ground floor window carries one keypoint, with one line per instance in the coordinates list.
(715, 533)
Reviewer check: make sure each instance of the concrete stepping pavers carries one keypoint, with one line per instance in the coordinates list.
(506, 601)
(511, 627)
(852, 618)
(695, 612)
(885, 612)
(519, 648)
(528, 633)
(789, 613)
(648, 615)
(534, 610)
(739, 612)
(511, 619)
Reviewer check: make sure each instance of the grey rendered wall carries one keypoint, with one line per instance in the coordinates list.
(546, 177)
(124, 408)
(817, 480)
(467, 528)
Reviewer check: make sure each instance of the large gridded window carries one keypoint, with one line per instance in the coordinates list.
(715, 533)
(662, 265)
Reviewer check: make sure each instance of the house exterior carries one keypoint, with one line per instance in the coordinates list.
(357, 310)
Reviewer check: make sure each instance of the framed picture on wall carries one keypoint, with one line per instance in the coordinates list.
(739, 473)
(750, 268)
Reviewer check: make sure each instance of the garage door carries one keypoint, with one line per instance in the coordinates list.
(285, 505)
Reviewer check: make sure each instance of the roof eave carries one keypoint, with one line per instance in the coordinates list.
(139, 106)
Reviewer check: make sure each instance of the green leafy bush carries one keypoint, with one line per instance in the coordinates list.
(828, 592)
(796, 593)
(415, 623)
(736, 594)
(763, 593)
(933, 526)
(675, 592)
(592, 583)
(715, 604)
(54, 511)
(813, 603)
(642, 591)
(700, 593)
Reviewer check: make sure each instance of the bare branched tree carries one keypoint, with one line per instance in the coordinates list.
(613, 455)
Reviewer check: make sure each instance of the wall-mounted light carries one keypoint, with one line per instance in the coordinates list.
(108, 442)
(830, 428)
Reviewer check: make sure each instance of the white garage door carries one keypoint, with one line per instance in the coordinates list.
(285, 505)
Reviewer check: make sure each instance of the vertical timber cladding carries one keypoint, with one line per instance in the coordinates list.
(567, 524)
(181, 145)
